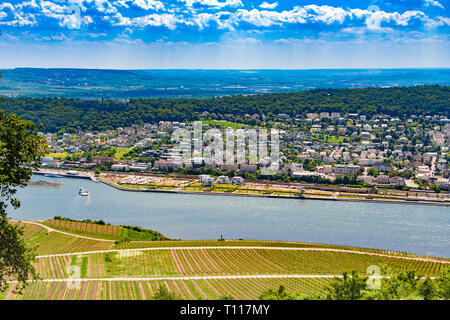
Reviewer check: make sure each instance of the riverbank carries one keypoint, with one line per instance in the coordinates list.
(372, 198)
(191, 216)
(258, 195)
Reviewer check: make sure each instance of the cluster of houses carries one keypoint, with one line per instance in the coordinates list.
(401, 150)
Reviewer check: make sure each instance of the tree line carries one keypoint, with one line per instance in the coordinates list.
(70, 115)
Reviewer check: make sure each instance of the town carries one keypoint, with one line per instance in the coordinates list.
(328, 148)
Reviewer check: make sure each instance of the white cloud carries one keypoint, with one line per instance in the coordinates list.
(105, 7)
(266, 5)
(214, 3)
(327, 14)
(375, 18)
(433, 3)
(31, 4)
(143, 4)
(155, 20)
(190, 14)
(7, 5)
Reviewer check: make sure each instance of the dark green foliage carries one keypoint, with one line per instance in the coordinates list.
(70, 114)
(226, 298)
(347, 288)
(128, 233)
(139, 234)
(100, 222)
(19, 145)
(394, 286)
(163, 294)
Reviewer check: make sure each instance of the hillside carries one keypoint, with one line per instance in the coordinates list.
(192, 269)
(71, 115)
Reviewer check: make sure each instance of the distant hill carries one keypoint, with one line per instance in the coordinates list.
(82, 83)
(71, 114)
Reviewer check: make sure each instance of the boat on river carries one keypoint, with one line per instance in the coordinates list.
(83, 192)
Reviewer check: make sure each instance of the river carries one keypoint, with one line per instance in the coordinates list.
(412, 228)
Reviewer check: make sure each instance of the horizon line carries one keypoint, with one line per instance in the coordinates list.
(233, 69)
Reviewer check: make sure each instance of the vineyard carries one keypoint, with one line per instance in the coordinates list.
(255, 243)
(47, 242)
(94, 230)
(144, 290)
(103, 231)
(191, 269)
(221, 262)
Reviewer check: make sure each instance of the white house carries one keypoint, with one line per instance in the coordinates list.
(237, 181)
(223, 180)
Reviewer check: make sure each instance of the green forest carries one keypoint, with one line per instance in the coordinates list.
(73, 114)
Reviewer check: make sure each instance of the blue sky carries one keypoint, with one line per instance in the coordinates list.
(217, 34)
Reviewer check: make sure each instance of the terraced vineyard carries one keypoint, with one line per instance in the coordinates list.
(193, 269)
(103, 231)
(142, 290)
(225, 262)
(56, 243)
(86, 229)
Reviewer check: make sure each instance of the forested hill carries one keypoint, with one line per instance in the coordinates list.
(71, 114)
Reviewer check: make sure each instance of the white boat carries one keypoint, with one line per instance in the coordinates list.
(83, 192)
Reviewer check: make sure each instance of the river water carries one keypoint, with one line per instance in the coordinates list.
(411, 228)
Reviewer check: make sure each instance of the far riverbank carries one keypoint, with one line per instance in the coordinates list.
(347, 198)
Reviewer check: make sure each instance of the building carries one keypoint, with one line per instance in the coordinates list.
(139, 167)
(165, 164)
(228, 167)
(119, 166)
(324, 169)
(345, 169)
(366, 179)
(382, 179)
(237, 181)
(223, 180)
(444, 184)
(383, 166)
(397, 181)
(46, 160)
(206, 180)
(249, 168)
(103, 160)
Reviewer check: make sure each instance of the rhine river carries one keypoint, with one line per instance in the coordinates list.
(411, 228)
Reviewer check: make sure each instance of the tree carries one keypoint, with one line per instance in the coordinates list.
(401, 285)
(20, 152)
(443, 284)
(163, 294)
(281, 294)
(427, 289)
(372, 172)
(347, 288)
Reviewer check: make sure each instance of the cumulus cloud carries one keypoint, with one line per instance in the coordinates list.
(214, 3)
(214, 16)
(143, 4)
(433, 3)
(154, 20)
(266, 5)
